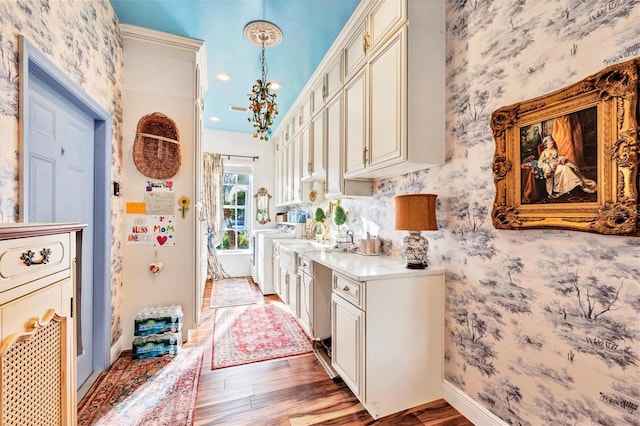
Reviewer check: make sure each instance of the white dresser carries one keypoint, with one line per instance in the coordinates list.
(37, 326)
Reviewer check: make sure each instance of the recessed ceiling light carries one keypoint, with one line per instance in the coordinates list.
(223, 76)
(276, 86)
(214, 118)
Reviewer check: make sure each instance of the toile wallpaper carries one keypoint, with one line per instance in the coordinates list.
(542, 326)
(83, 39)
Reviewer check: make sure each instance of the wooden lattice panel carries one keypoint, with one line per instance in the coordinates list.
(31, 372)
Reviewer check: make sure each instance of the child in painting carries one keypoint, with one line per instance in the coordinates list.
(561, 175)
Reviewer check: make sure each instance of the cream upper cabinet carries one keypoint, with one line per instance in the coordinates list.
(318, 95)
(334, 145)
(306, 152)
(296, 168)
(336, 184)
(355, 49)
(387, 70)
(388, 67)
(355, 110)
(333, 78)
(370, 32)
(386, 18)
(405, 112)
(318, 158)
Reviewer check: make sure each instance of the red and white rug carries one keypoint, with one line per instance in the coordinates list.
(234, 292)
(149, 392)
(252, 333)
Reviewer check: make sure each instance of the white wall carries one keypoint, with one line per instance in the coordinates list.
(159, 78)
(234, 143)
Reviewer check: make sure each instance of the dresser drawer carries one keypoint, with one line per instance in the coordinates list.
(23, 260)
(353, 291)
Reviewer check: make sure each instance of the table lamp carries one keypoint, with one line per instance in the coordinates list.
(415, 213)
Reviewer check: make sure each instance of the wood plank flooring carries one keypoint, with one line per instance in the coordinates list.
(291, 391)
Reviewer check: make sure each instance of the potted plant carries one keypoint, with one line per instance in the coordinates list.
(320, 218)
(339, 218)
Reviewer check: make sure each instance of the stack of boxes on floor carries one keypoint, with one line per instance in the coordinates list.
(158, 332)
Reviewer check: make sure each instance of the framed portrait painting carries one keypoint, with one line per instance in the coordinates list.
(569, 159)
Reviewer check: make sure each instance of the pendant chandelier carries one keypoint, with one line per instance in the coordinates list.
(262, 104)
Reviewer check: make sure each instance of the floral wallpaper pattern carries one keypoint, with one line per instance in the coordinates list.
(542, 326)
(83, 39)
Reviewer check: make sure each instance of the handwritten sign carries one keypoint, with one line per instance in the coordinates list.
(160, 203)
(138, 229)
(163, 228)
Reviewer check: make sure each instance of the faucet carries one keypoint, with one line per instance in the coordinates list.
(349, 233)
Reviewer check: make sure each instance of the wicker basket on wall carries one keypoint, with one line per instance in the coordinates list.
(156, 150)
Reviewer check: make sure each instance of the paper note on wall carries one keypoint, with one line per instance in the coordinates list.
(160, 203)
(164, 230)
(138, 229)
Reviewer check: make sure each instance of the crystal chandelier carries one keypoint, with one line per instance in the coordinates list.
(262, 105)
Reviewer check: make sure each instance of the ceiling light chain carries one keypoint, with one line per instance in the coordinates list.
(262, 100)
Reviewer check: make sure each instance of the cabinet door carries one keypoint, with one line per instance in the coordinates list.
(306, 160)
(348, 344)
(34, 365)
(355, 50)
(293, 294)
(355, 123)
(334, 76)
(284, 285)
(277, 172)
(306, 303)
(318, 158)
(296, 168)
(387, 76)
(334, 146)
(385, 19)
(275, 270)
(318, 95)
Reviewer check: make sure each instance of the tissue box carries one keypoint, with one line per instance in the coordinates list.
(156, 345)
(158, 320)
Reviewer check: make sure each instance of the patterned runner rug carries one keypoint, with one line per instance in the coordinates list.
(234, 292)
(153, 391)
(252, 333)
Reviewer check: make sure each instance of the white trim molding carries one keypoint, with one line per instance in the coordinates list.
(468, 407)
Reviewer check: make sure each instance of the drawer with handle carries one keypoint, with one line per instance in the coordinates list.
(23, 260)
(351, 290)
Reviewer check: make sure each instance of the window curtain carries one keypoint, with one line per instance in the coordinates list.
(212, 210)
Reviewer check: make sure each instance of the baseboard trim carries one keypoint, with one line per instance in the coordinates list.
(468, 407)
(116, 350)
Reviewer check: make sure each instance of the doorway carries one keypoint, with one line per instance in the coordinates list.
(65, 177)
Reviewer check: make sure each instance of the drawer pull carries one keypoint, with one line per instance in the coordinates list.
(345, 288)
(27, 257)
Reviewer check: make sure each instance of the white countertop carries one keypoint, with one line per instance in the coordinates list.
(359, 267)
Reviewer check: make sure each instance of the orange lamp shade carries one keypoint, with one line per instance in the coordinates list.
(416, 212)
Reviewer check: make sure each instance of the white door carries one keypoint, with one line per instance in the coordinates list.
(61, 187)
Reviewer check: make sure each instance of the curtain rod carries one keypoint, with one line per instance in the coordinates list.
(253, 157)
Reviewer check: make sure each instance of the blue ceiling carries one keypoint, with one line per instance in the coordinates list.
(309, 28)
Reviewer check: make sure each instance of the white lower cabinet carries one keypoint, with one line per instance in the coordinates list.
(387, 339)
(348, 342)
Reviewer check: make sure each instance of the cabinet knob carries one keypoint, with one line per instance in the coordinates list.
(345, 288)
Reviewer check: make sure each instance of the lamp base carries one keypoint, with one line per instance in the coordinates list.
(416, 266)
(414, 250)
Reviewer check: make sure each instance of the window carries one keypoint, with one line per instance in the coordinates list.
(236, 218)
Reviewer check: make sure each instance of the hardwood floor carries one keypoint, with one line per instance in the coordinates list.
(290, 391)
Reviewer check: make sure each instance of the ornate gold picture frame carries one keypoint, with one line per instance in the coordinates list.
(569, 159)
